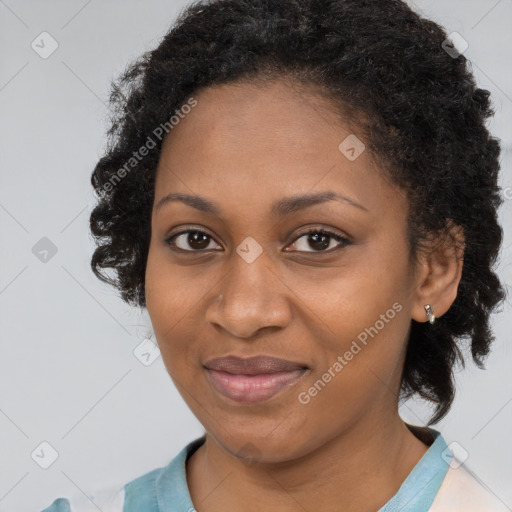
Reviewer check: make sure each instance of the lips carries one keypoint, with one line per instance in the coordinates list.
(256, 365)
(254, 379)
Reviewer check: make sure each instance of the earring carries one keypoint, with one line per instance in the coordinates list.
(430, 313)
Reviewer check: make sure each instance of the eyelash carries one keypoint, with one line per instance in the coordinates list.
(321, 231)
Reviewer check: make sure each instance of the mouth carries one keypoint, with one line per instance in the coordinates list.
(252, 380)
(252, 388)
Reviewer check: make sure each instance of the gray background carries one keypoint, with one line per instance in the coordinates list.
(68, 372)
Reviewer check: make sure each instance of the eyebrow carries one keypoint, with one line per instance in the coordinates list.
(279, 208)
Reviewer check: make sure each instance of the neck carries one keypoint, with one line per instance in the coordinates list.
(359, 470)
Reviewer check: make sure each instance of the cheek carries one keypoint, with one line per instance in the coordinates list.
(351, 300)
(361, 347)
(363, 322)
(169, 302)
(170, 291)
(360, 377)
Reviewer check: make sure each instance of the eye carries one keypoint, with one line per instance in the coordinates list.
(320, 240)
(196, 239)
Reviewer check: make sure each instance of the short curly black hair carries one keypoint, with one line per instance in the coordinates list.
(417, 104)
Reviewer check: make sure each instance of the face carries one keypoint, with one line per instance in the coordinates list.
(325, 284)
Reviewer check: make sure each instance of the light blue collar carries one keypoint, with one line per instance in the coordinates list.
(419, 489)
(171, 486)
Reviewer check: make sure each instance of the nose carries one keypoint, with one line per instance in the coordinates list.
(253, 297)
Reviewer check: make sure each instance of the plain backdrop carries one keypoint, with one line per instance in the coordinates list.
(70, 378)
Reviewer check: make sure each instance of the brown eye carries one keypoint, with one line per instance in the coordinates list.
(319, 240)
(190, 241)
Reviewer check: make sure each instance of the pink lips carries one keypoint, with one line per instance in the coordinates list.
(254, 379)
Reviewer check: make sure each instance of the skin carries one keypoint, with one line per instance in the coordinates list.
(244, 147)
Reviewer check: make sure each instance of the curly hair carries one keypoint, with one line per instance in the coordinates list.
(421, 112)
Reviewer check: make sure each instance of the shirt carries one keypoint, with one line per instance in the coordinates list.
(438, 483)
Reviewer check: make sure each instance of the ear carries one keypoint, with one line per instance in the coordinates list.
(438, 272)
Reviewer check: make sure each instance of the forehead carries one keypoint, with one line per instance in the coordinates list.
(254, 144)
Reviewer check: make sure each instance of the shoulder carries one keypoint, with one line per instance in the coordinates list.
(107, 499)
(140, 494)
(462, 490)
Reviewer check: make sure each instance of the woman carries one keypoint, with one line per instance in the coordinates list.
(303, 194)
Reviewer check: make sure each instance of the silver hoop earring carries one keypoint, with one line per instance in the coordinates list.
(430, 313)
